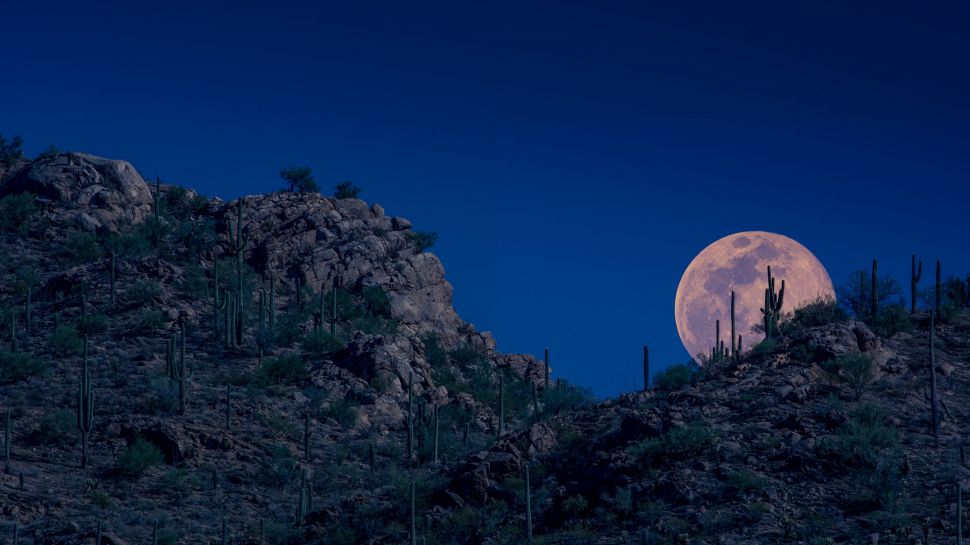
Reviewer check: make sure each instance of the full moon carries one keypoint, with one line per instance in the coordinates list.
(740, 262)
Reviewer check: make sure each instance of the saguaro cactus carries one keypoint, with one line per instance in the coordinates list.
(228, 406)
(303, 503)
(773, 304)
(414, 528)
(6, 442)
(333, 314)
(916, 272)
(545, 359)
(306, 436)
(959, 513)
(528, 505)
(501, 405)
(13, 330)
(113, 265)
(734, 346)
(646, 368)
(939, 289)
(434, 458)
(410, 453)
(934, 404)
(225, 532)
(238, 245)
(874, 290)
(27, 306)
(85, 408)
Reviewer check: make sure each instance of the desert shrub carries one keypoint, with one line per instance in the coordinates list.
(279, 470)
(742, 482)
(143, 292)
(374, 325)
(56, 428)
(80, 247)
(565, 396)
(138, 458)
(892, 319)
(150, 320)
(675, 377)
(343, 410)
(860, 440)
(65, 340)
(195, 283)
(180, 203)
(17, 366)
(281, 370)
(677, 443)
(422, 239)
(819, 312)
(163, 396)
(191, 236)
(17, 212)
(376, 301)
(100, 499)
(763, 349)
(854, 369)
(51, 151)
(94, 323)
(319, 342)
(134, 242)
(346, 190)
(855, 294)
(434, 353)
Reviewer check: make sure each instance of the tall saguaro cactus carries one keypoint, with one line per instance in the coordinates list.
(916, 272)
(646, 368)
(410, 453)
(6, 442)
(238, 245)
(13, 330)
(874, 290)
(734, 346)
(414, 528)
(85, 408)
(528, 505)
(934, 403)
(939, 289)
(501, 405)
(545, 359)
(773, 304)
(113, 266)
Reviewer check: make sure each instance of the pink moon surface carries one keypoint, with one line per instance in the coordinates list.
(739, 262)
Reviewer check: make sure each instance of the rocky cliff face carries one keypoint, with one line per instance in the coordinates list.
(213, 422)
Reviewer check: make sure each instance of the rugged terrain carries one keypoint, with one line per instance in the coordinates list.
(793, 442)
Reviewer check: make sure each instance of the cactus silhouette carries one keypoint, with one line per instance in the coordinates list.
(238, 244)
(874, 291)
(646, 368)
(916, 272)
(773, 303)
(85, 407)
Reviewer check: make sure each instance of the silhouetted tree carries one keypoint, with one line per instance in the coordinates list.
(346, 190)
(300, 179)
(11, 152)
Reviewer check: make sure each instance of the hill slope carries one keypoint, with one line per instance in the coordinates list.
(793, 443)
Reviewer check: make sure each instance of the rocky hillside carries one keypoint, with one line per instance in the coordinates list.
(288, 368)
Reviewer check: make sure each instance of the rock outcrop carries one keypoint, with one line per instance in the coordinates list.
(93, 192)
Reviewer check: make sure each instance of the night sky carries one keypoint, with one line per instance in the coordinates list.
(573, 157)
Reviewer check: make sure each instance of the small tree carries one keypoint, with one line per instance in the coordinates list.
(300, 179)
(855, 294)
(423, 239)
(11, 152)
(346, 190)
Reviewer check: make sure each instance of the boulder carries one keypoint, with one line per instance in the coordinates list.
(94, 192)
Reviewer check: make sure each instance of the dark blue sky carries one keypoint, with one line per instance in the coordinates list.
(574, 158)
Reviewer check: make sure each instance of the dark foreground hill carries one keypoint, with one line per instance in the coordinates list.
(288, 368)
